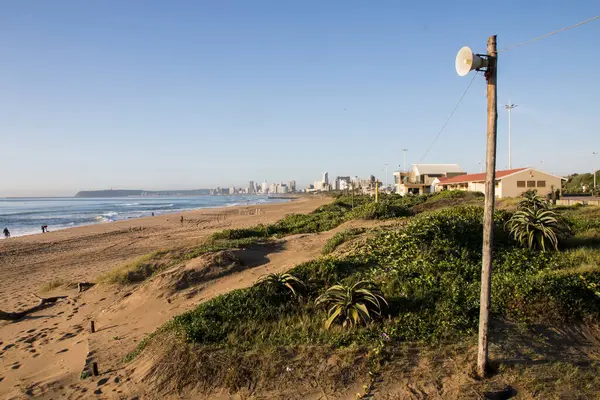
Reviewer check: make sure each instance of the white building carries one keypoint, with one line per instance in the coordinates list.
(264, 187)
(419, 179)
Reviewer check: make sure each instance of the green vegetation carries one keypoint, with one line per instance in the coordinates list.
(340, 238)
(413, 283)
(428, 272)
(353, 305)
(576, 182)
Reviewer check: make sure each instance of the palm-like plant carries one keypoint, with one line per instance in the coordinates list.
(279, 281)
(535, 228)
(532, 201)
(352, 304)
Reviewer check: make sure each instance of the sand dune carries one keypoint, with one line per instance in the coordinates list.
(44, 354)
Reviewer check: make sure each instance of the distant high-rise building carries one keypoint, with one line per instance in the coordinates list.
(292, 186)
(341, 183)
(273, 188)
(232, 190)
(326, 178)
(264, 187)
(250, 187)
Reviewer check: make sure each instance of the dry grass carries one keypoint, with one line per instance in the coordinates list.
(538, 362)
(178, 367)
(52, 285)
(140, 269)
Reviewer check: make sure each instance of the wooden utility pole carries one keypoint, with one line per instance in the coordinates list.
(488, 217)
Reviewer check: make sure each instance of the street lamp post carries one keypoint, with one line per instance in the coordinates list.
(595, 153)
(509, 108)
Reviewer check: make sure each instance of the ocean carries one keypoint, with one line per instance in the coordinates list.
(25, 216)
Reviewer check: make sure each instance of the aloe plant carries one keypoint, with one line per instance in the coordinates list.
(281, 280)
(535, 228)
(353, 305)
(531, 200)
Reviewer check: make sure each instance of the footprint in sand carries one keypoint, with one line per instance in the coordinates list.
(102, 381)
(62, 351)
(31, 330)
(98, 391)
(1, 378)
(36, 355)
(16, 365)
(67, 335)
(8, 346)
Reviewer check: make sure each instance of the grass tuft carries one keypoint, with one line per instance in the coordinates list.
(138, 270)
(50, 286)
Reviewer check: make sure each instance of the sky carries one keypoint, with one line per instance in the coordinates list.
(194, 94)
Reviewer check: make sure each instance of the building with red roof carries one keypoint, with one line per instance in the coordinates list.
(509, 183)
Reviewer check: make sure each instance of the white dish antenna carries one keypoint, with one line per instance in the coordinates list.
(466, 61)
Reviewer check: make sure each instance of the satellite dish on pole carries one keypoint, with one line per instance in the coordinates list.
(466, 61)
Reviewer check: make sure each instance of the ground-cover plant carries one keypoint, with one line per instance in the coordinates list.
(341, 237)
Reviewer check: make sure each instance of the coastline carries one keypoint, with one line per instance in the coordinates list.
(81, 253)
(101, 220)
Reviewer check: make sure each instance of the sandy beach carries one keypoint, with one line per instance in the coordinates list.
(44, 353)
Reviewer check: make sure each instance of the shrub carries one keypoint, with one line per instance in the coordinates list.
(352, 304)
(380, 210)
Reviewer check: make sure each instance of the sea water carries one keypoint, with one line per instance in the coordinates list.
(25, 216)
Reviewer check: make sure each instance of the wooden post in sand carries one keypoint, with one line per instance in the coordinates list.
(92, 327)
(95, 369)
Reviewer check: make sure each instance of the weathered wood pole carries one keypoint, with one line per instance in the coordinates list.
(488, 217)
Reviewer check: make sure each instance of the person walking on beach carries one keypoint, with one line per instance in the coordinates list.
(6, 233)
(182, 220)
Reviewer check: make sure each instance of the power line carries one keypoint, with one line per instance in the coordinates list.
(549, 34)
(449, 117)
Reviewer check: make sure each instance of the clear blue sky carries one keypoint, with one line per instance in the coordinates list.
(190, 94)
